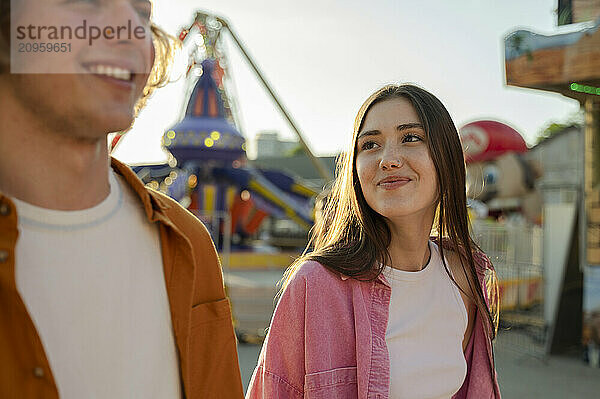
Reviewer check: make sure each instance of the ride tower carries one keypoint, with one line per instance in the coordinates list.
(208, 171)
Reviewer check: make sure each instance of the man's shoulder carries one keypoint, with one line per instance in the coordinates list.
(181, 218)
(167, 202)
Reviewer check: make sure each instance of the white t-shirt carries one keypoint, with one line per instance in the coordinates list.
(426, 327)
(93, 283)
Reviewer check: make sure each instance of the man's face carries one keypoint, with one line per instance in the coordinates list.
(89, 89)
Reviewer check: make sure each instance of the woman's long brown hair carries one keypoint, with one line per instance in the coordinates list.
(350, 238)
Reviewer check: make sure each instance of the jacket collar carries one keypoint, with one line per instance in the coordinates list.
(380, 279)
(153, 204)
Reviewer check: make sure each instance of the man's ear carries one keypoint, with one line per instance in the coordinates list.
(152, 55)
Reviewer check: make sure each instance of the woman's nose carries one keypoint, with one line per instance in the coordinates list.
(391, 161)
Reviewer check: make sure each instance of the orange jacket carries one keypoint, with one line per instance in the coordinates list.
(200, 311)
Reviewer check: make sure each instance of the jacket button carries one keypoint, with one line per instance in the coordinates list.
(4, 209)
(38, 372)
(3, 256)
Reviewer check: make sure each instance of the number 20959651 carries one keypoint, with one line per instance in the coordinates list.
(44, 47)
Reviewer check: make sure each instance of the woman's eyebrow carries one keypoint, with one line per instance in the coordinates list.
(406, 126)
(399, 128)
(368, 133)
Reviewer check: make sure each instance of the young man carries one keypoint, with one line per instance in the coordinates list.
(107, 289)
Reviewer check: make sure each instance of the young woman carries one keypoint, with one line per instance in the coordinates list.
(377, 308)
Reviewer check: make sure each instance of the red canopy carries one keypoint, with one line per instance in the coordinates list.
(487, 140)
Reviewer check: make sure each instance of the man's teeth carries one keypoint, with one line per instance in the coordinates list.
(110, 71)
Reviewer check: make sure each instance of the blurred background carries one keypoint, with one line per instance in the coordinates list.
(262, 102)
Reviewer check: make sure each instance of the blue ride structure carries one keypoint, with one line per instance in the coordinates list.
(208, 170)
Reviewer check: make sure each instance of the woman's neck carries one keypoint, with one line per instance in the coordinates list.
(409, 247)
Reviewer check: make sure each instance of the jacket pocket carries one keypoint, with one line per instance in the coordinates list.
(210, 312)
(338, 383)
(212, 365)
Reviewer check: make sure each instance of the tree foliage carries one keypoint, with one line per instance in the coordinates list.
(575, 120)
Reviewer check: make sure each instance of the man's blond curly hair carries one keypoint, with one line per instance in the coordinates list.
(165, 46)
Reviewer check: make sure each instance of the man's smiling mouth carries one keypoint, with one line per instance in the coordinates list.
(111, 71)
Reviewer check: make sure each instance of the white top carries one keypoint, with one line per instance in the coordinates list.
(426, 327)
(93, 283)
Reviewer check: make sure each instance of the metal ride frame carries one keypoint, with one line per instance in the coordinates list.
(317, 163)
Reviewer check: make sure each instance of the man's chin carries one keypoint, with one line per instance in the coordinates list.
(118, 123)
(120, 128)
(87, 125)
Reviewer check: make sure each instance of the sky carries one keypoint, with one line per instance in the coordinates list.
(324, 57)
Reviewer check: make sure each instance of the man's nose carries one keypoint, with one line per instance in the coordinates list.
(130, 34)
(129, 25)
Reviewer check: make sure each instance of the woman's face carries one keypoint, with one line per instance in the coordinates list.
(396, 173)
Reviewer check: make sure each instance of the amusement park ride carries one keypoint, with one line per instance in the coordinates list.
(208, 171)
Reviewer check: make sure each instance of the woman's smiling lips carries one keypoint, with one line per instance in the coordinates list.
(393, 182)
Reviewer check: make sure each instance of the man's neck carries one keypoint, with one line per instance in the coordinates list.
(46, 168)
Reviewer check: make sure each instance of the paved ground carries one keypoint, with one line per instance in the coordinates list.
(556, 377)
(248, 355)
(521, 376)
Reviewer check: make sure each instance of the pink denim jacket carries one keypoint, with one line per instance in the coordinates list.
(327, 340)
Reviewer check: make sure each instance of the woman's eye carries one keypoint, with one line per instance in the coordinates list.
(411, 138)
(368, 145)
